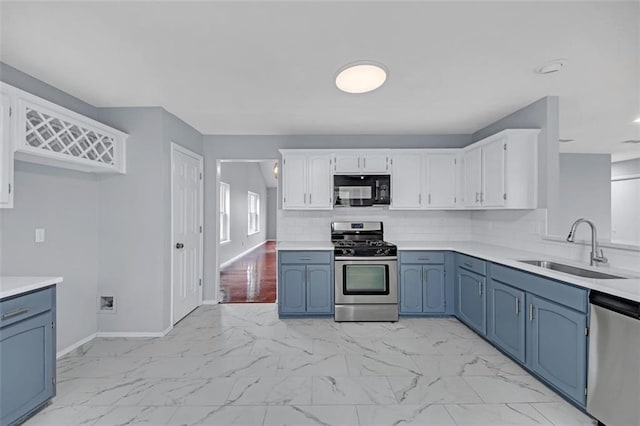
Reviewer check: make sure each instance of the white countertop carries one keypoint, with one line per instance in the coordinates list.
(627, 288)
(304, 245)
(11, 286)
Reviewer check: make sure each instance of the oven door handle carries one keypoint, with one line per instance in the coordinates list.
(366, 259)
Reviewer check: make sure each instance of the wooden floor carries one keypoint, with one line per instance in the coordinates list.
(252, 278)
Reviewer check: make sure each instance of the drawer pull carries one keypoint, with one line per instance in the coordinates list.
(305, 258)
(468, 264)
(424, 258)
(15, 313)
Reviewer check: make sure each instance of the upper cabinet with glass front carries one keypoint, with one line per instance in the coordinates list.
(45, 133)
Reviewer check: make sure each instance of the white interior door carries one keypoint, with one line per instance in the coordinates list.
(186, 216)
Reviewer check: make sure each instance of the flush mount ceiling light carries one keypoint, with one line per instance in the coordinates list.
(361, 77)
(551, 66)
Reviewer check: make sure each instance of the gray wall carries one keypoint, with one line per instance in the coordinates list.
(272, 213)
(585, 185)
(242, 177)
(65, 204)
(23, 81)
(135, 220)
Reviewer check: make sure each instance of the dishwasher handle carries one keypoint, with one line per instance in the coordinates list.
(616, 304)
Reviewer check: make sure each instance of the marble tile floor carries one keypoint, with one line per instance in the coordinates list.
(238, 364)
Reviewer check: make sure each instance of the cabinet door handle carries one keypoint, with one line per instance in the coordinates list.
(15, 313)
(517, 306)
(477, 195)
(310, 198)
(479, 288)
(364, 163)
(531, 312)
(358, 162)
(481, 196)
(429, 198)
(305, 199)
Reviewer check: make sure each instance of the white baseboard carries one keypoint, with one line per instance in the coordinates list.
(210, 302)
(233, 259)
(132, 333)
(76, 345)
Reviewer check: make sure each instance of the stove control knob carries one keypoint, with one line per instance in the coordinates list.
(383, 251)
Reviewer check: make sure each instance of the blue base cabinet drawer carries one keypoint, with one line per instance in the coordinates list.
(470, 263)
(305, 283)
(27, 355)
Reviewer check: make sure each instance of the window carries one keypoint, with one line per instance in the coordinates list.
(253, 217)
(225, 190)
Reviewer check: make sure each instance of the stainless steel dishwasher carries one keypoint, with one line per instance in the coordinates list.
(614, 360)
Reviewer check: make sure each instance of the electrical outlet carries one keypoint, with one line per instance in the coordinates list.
(39, 235)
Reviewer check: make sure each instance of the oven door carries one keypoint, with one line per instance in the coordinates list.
(366, 280)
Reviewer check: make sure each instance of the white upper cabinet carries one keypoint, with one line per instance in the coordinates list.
(439, 181)
(361, 163)
(320, 182)
(406, 190)
(46, 133)
(6, 153)
(306, 181)
(501, 171)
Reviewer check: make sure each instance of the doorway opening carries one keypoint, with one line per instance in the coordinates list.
(247, 208)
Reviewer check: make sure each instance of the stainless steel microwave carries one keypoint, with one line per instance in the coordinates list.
(361, 190)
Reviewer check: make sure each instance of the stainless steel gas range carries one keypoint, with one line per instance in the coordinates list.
(366, 273)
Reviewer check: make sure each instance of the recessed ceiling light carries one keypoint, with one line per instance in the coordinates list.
(551, 66)
(566, 140)
(361, 77)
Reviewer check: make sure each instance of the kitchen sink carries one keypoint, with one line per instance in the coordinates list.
(572, 270)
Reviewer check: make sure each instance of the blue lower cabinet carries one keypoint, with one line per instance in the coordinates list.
(423, 287)
(319, 289)
(471, 300)
(410, 289)
(27, 357)
(507, 319)
(293, 289)
(558, 346)
(305, 288)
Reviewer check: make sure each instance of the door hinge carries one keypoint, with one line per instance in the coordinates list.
(586, 331)
(284, 199)
(504, 195)
(200, 282)
(585, 392)
(10, 111)
(200, 176)
(53, 380)
(9, 188)
(53, 324)
(455, 199)
(505, 146)
(201, 229)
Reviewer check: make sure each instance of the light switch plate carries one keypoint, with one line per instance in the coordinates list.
(39, 235)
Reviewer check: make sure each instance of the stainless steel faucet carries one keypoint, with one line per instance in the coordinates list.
(597, 255)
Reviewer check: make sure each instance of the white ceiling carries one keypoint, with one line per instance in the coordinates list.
(267, 67)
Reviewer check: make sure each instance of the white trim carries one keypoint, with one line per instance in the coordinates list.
(210, 302)
(233, 259)
(75, 345)
(175, 147)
